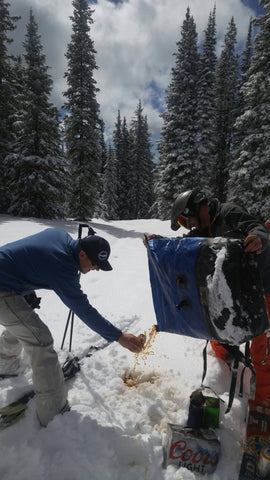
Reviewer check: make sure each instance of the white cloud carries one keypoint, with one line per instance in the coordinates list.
(135, 42)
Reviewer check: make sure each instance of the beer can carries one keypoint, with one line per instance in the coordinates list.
(203, 411)
(196, 410)
(263, 468)
(197, 450)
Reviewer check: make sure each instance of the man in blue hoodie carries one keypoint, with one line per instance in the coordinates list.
(49, 260)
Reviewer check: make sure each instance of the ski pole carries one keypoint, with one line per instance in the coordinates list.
(71, 313)
(66, 328)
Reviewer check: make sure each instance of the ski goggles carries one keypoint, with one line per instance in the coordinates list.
(183, 221)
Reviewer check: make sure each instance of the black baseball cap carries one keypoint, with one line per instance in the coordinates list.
(97, 250)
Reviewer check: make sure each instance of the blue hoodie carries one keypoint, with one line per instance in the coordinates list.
(50, 260)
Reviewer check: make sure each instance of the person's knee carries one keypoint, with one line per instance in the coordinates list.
(9, 345)
(38, 334)
(45, 365)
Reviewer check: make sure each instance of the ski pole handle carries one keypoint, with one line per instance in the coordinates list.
(81, 226)
(91, 231)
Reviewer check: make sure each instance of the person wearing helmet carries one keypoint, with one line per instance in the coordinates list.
(187, 211)
(204, 217)
(210, 218)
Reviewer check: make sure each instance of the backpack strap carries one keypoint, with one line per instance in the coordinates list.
(234, 370)
(247, 356)
(204, 387)
(267, 348)
(238, 357)
(204, 362)
(245, 359)
(248, 364)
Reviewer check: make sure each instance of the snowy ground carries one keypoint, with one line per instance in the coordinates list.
(114, 432)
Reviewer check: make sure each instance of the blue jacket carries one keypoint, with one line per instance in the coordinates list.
(50, 260)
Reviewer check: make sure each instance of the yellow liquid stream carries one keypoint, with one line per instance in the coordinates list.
(131, 378)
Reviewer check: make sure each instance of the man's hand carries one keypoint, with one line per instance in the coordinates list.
(150, 237)
(253, 243)
(131, 342)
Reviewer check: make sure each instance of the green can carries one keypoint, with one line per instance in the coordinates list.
(203, 411)
(211, 412)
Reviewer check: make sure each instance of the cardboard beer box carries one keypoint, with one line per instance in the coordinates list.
(257, 439)
(197, 450)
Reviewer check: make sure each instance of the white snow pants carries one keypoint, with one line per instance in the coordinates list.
(24, 329)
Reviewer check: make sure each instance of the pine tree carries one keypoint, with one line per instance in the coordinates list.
(37, 172)
(226, 108)
(82, 121)
(100, 206)
(141, 167)
(178, 146)
(103, 148)
(250, 180)
(205, 163)
(125, 179)
(247, 53)
(18, 84)
(148, 187)
(7, 24)
(133, 159)
(244, 67)
(110, 199)
(117, 142)
(125, 185)
(117, 137)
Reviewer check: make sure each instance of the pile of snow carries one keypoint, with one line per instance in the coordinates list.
(115, 431)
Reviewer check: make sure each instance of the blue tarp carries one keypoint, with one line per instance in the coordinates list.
(207, 288)
(171, 267)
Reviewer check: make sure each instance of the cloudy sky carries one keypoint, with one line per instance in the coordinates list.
(135, 41)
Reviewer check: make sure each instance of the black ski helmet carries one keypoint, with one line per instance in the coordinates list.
(187, 203)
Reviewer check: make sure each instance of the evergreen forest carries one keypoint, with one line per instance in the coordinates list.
(215, 133)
